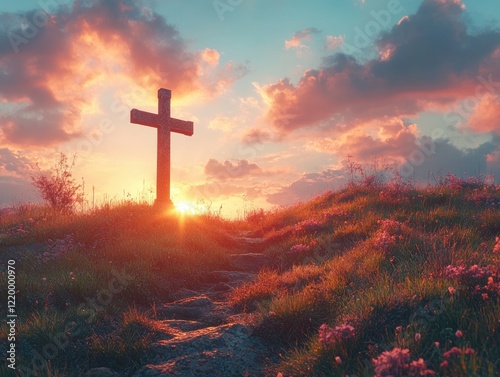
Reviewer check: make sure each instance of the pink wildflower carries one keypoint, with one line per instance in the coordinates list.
(328, 335)
(338, 360)
(459, 334)
(453, 352)
(397, 363)
(444, 364)
(418, 337)
(496, 249)
(299, 249)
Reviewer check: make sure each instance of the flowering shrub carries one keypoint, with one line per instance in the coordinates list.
(478, 282)
(59, 247)
(397, 363)
(328, 335)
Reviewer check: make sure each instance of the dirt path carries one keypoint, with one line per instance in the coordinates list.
(201, 335)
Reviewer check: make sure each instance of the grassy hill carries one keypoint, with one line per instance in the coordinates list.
(371, 280)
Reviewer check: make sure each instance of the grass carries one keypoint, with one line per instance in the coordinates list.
(377, 257)
(393, 262)
(86, 283)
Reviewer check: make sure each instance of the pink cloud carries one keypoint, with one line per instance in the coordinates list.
(45, 78)
(231, 170)
(334, 42)
(486, 117)
(427, 62)
(299, 37)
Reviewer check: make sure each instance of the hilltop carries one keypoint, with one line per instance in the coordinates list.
(375, 279)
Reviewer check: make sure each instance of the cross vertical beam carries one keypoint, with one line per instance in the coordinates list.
(164, 125)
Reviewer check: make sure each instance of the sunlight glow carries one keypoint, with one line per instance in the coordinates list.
(187, 208)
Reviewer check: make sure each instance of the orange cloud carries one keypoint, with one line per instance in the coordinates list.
(299, 37)
(486, 117)
(211, 56)
(48, 79)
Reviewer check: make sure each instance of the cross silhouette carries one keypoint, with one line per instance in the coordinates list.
(164, 125)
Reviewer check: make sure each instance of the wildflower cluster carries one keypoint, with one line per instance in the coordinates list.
(329, 335)
(309, 226)
(453, 182)
(337, 213)
(22, 229)
(485, 197)
(496, 248)
(478, 282)
(397, 363)
(299, 249)
(59, 247)
(388, 233)
(454, 358)
(395, 193)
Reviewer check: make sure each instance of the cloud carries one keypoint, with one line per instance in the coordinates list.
(15, 183)
(256, 136)
(216, 190)
(230, 170)
(12, 163)
(223, 123)
(448, 158)
(308, 186)
(383, 138)
(430, 61)
(47, 72)
(486, 116)
(299, 37)
(211, 56)
(444, 158)
(334, 42)
(16, 190)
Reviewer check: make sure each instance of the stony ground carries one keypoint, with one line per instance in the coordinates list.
(200, 333)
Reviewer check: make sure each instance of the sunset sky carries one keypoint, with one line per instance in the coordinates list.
(280, 93)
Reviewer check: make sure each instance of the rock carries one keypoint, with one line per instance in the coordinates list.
(179, 325)
(226, 351)
(233, 278)
(191, 308)
(101, 372)
(249, 262)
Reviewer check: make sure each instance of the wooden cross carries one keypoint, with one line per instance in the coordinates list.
(164, 125)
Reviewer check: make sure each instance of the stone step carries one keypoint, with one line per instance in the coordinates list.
(191, 308)
(226, 351)
(249, 262)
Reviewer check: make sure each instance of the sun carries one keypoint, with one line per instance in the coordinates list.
(186, 208)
